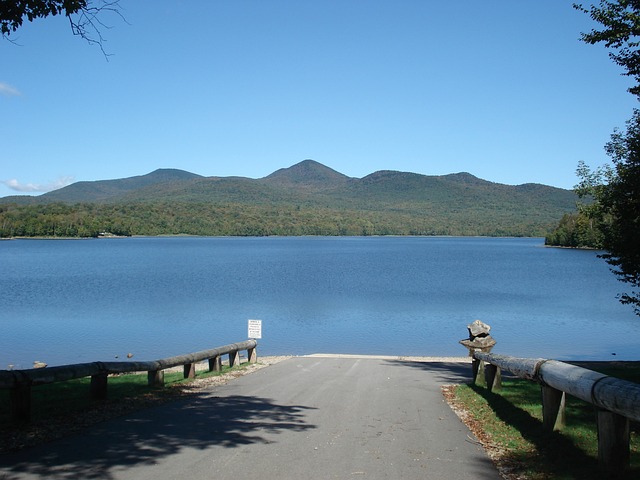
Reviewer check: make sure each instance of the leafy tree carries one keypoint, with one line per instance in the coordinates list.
(617, 206)
(621, 22)
(576, 230)
(83, 15)
(616, 190)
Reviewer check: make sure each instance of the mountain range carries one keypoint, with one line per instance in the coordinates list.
(458, 203)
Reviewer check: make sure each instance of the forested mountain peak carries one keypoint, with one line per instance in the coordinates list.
(307, 172)
(103, 190)
(168, 174)
(465, 177)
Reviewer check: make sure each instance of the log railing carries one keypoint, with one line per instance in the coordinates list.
(616, 401)
(20, 382)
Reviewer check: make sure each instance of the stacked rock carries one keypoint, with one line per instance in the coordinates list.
(479, 338)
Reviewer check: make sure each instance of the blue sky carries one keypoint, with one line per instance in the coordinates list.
(501, 89)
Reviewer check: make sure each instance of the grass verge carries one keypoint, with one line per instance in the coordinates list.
(508, 423)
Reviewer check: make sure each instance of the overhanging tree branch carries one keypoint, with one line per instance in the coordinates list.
(84, 16)
(86, 23)
(620, 34)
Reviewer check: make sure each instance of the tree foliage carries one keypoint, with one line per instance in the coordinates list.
(618, 208)
(576, 230)
(616, 190)
(13, 13)
(621, 31)
(237, 219)
(83, 15)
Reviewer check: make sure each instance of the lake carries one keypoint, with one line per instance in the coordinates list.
(72, 301)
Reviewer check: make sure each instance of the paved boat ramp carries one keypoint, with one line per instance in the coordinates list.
(315, 417)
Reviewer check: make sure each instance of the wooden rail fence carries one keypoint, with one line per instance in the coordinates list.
(20, 382)
(616, 401)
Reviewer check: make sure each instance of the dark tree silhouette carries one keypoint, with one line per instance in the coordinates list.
(84, 15)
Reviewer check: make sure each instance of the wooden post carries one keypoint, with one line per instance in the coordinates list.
(189, 370)
(21, 404)
(98, 389)
(478, 372)
(155, 378)
(497, 381)
(553, 408)
(613, 442)
(215, 364)
(252, 353)
(493, 377)
(475, 366)
(234, 358)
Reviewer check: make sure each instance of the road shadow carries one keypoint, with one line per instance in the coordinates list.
(443, 372)
(201, 422)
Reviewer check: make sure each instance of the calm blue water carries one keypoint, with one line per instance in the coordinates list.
(69, 301)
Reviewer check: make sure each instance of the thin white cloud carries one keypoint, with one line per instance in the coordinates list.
(14, 184)
(8, 90)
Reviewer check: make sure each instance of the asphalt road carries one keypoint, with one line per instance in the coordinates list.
(304, 418)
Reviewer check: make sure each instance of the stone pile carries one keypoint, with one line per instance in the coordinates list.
(479, 338)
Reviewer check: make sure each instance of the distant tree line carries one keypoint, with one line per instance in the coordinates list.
(175, 218)
(576, 230)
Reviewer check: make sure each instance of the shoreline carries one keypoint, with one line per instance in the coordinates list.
(402, 358)
(188, 235)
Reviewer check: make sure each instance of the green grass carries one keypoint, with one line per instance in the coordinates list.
(510, 420)
(63, 398)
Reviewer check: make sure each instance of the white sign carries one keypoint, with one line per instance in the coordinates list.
(255, 328)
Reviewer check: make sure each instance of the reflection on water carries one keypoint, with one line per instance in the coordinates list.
(68, 301)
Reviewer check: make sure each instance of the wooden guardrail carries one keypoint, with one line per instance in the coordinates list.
(617, 401)
(20, 382)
